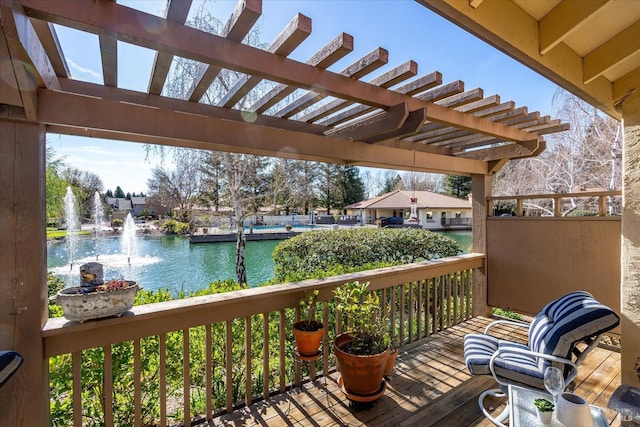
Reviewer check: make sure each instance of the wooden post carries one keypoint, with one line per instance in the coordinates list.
(24, 399)
(630, 287)
(481, 189)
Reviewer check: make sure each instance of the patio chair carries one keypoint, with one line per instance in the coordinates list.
(561, 335)
(10, 361)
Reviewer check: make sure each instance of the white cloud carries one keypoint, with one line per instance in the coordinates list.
(84, 70)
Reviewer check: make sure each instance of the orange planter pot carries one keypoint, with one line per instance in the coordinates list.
(391, 363)
(307, 342)
(361, 375)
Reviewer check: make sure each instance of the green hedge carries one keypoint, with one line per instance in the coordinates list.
(308, 254)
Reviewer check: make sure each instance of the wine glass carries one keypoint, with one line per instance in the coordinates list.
(554, 382)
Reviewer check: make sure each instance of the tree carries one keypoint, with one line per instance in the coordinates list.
(352, 186)
(109, 193)
(588, 156)
(178, 188)
(389, 182)
(119, 194)
(86, 185)
(457, 186)
(56, 186)
(331, 194)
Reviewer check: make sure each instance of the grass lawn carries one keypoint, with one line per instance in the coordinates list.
(53, 233)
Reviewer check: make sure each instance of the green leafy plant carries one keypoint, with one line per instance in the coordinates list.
(543, 405)
(308, 305)
(362, 307)
(312, 253)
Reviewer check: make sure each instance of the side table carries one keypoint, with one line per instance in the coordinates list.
(523, 412)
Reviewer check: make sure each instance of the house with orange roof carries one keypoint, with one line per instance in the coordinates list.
(433, 211)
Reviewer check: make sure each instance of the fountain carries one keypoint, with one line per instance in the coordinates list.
(73, 225)
(98, 219)
(128, 241)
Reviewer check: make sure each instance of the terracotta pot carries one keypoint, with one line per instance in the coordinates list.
(361, 375)
(391, 363)
(307, 342)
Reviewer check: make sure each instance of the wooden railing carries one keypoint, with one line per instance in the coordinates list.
(236, 343)
(602, 199)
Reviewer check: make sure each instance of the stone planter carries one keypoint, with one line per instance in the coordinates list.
(81, 303)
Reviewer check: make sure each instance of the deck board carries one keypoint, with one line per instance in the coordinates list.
(430, 387)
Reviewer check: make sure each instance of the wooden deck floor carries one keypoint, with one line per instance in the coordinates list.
(431, 387)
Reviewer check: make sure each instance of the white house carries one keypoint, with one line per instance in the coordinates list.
(434, 211)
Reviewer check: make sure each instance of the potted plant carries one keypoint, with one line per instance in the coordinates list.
(362, 352)
(308, 333)
(545, 410)
(288, 227)
(394, 345)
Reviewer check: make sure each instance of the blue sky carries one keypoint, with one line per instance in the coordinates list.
(406, 29)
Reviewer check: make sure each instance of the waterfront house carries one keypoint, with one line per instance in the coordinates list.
(434, 211)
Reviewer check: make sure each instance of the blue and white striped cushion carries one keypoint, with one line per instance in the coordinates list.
(9, 363)
(514, 368)
(568, 320)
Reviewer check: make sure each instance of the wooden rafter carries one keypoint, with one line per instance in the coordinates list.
(239, 24)
(290, 38)
(109, 54)
(47, 34)
(176, 11)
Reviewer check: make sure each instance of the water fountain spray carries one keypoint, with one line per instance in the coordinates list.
(128, 242)
(98, 217)
(73, 225)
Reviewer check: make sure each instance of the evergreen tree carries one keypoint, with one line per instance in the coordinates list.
(109, 193)
(128, 196)
(119, 193)
(352, 185)
(457, 186)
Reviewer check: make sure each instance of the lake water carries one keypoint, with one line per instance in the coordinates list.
(172, 262)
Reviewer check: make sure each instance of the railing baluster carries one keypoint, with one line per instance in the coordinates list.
(392, 317)
(325, 340)
(411, 309)
(229, 365)
(108, 385)
(208, 361)
(428, 322)
(283, 353)
(76, 360)
(441, 302)
(403, 334)
(456, 301)
(186, 372)
(265, 355)
(419, 333)
(248, 397)
(137, 383)
(298, 371)
(163, 379)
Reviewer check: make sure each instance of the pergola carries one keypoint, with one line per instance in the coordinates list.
(397, 120)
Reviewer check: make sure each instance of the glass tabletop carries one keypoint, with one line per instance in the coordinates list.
(524, 413)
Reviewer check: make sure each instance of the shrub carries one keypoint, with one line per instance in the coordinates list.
(171, 226)
(582, 213)
(309, 254)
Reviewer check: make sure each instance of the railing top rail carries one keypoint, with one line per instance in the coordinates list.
(557, 195)
(62, 336)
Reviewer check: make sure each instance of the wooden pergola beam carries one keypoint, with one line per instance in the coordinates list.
(110, 18)
(109, 55)
(290, 38)
(74, 114)
(176, 11)
(47, 34)
(181, 106)
(618, 49)
(242, 19)
(29, 62)
(324, 58)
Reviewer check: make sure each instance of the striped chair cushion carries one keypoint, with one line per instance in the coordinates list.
(563, 323)
(9, 363)
(512, 368)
